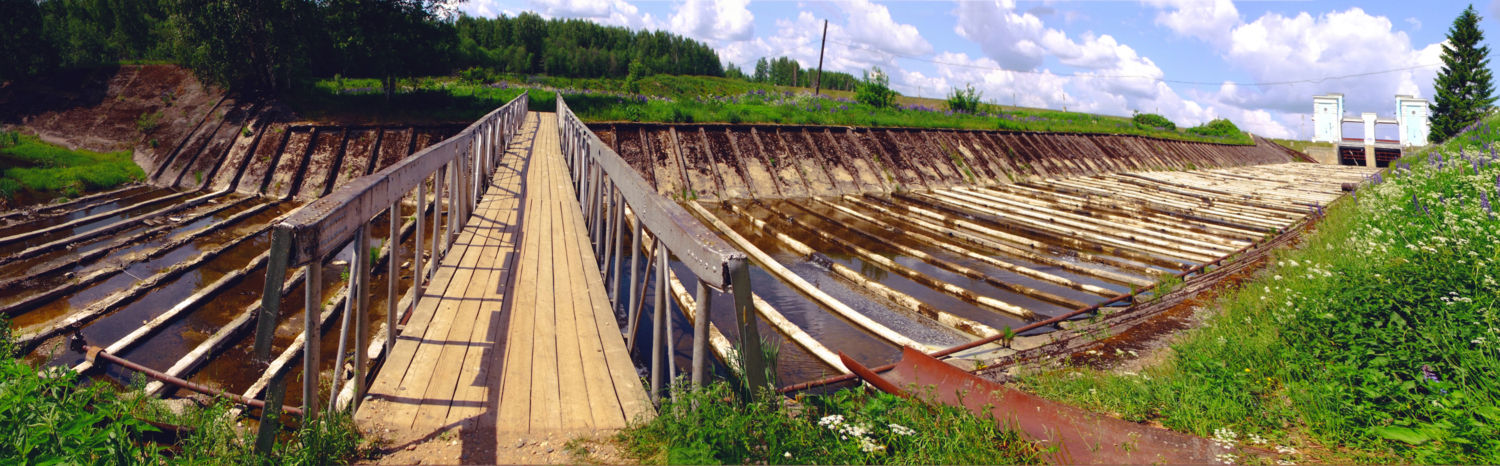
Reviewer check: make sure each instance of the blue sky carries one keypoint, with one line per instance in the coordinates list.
(1033, 52)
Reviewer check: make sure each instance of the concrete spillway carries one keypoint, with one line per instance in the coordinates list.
(938, 236)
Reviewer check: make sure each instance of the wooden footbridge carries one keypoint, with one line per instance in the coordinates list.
(519, 258)
(510, 329)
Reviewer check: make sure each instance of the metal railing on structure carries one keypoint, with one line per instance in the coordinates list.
(456, 170)
(607, 187)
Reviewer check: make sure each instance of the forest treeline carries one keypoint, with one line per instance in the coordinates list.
(270, 44)
(785, 71)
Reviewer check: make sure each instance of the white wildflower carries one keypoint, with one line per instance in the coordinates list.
(902, 430)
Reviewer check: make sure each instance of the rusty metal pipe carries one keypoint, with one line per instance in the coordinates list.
(94, 352)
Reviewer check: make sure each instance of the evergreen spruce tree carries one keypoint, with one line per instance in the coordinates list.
(1464, 90)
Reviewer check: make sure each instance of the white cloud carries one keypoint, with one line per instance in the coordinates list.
(1279, 48)
(719, 20)
(866, 37)
(1210, 20)
(610, 12)
(1416, 24)
(1019, 40)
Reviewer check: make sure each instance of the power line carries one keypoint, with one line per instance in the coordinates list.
(1153, 78)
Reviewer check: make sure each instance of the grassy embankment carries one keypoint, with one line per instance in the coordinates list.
(685, 99)
(51, 416)
(36, 171)
(1378, 340)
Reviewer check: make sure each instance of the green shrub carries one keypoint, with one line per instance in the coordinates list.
(148, 121)
(1220, 128)
(476, 75)
(49, 416)
(964, 100)
(1152, 120)
(875, 90)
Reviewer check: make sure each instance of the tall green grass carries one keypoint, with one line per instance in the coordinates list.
(1378, 340)
(46, 170)
(51, 415)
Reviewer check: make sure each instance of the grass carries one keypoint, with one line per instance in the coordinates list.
(41, 171)
(1377, 341)
(848, 427)
(1300, 146)
(54, 416)
(686, 99)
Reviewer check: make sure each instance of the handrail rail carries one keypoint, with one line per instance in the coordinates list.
(457, 167)
(607, 186)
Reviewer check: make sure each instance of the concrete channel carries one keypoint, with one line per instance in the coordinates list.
(865, 240)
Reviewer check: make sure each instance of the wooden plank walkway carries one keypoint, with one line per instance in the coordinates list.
(515, 335)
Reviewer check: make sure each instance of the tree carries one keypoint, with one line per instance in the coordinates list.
(1464, 90)
(22, 50)
(243, 43)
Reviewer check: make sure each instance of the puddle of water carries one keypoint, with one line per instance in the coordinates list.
(89, 226)
(139, 271)
(90, 208)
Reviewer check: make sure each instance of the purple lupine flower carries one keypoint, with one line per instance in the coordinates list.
(1378, 179)
(1484, 202)
(1320, 208)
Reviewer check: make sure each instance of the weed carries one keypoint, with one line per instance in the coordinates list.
(848, 427)
(153, 143)
(246, 132)
(198, 178)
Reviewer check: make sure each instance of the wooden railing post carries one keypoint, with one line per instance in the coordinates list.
(361, 312)
(270, 416)
(700, 335)
(270, 298)
(393, 277)
(659, 326)
(745, 318)
(312, 336)
(418, 275)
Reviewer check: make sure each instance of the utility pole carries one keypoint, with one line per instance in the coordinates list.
(818, 79)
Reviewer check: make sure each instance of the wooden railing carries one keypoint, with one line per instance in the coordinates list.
(455, 169)
(608, 188)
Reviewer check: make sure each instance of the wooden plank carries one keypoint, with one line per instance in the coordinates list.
(545, 412)
(573, 388)
(515, 384)
(466, 296)
(398, 381)
(477, 380)
(602, 404)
